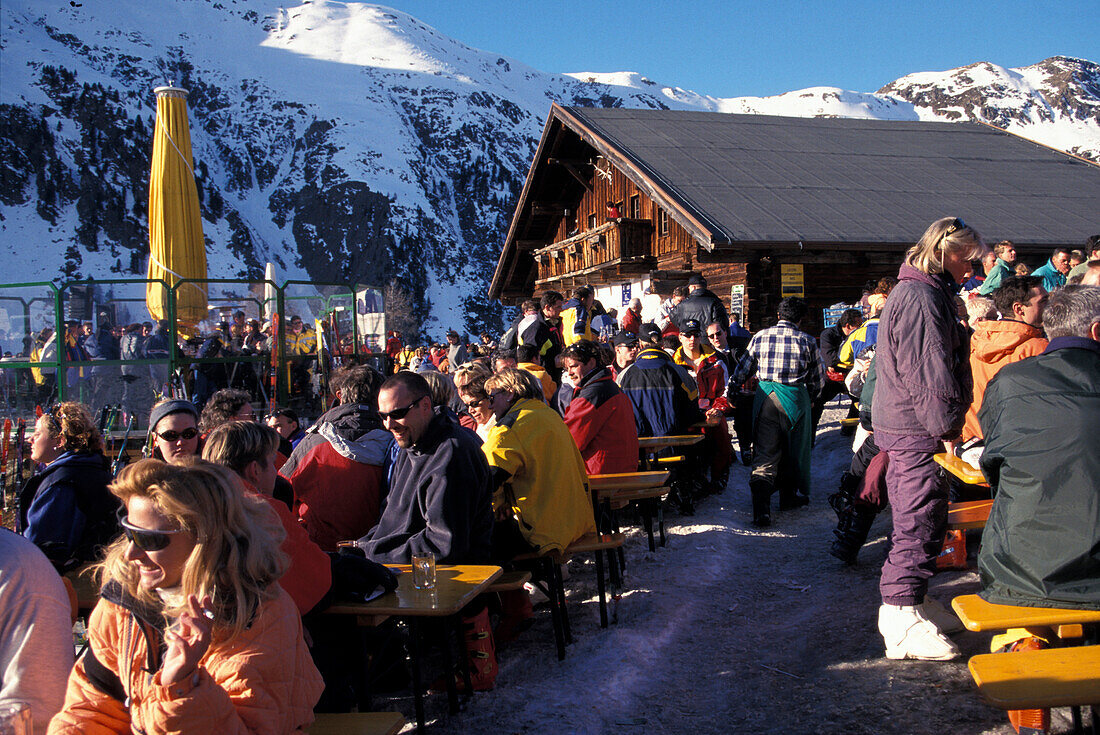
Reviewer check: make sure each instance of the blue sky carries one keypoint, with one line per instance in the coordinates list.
(734, 48)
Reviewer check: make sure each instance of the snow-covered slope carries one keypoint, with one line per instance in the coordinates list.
(351, 141)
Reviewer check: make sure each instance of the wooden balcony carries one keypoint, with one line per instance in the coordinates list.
(607, 252)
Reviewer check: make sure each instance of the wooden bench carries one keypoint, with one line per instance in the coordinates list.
(551, 582)
(960, 469)
(1053, 677)
(357, 723)
(980, 615)
(972, 514)
(616, 490)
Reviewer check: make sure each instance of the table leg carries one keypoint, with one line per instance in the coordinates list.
(600, 587)
(560, 584)
(414, 661)
(555, 613)
(448, 666)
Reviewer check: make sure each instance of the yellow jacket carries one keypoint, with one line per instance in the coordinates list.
(547, 487)
(302, 343)
(549, 387)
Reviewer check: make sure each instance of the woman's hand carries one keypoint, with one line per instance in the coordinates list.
(187, 641)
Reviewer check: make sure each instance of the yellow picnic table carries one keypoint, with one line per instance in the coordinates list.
(979, 615)
(357, 723)
(616, 490)
(456, 586)
(971, 514)
(960, 469)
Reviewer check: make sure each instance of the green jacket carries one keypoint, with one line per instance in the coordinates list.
(1000, 271)
(1040, 418)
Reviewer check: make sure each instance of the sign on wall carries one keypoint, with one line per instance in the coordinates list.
(792, 281)
(626, 294)
(737, 302)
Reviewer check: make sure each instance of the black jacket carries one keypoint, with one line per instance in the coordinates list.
(1040, 418)
(703, 306)
(829, 344)
(67, 511)
(440, 499)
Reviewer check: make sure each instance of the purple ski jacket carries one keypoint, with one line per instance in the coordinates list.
(923, 383)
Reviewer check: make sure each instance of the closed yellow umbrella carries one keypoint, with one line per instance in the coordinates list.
(176, 248)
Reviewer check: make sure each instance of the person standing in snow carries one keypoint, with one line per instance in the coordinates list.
(922, 391)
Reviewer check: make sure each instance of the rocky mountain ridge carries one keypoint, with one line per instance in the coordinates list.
(346, 141)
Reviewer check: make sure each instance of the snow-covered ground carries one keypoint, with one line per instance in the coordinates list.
(730, 629)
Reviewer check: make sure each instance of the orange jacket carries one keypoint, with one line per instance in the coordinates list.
(262, 681)
(993, 345)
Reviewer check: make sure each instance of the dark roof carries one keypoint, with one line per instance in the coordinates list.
(766, 178)
(761, 179)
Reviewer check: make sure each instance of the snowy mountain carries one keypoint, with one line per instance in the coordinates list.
(346, 141)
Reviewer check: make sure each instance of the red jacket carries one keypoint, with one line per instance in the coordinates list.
(308, 578)
(601, 419)
(631, 322)
(338, 477)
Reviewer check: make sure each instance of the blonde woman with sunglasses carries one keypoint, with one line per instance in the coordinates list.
(192, 633)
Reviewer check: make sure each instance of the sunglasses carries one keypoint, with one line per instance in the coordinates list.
(714, 335)
(399, 413)
(956, 224)
(144, 538)
(175, 436)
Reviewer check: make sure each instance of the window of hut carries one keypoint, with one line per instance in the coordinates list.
(662, 223)
(635, 207)
(592, 221)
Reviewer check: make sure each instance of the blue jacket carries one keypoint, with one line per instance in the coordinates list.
(67, 511)
(663, 394)
(1052, 277)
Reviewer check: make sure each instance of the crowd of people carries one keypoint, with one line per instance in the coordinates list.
(145, 378)
(217, 556)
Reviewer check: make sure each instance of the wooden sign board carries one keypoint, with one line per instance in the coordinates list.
(792, 280)
(737, 302)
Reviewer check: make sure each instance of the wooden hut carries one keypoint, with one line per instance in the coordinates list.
(768, 206)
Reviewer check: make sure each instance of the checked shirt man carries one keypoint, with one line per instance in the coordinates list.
(790, 376)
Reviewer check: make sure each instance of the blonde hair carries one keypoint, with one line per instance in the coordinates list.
(73, 422)
(949, 233)
(236, 558)
(519, 383)
(237, 444)
(470, 379)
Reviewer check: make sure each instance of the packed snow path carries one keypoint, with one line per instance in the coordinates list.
(731, 629)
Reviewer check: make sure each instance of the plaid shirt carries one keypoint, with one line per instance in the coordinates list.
(785, 354)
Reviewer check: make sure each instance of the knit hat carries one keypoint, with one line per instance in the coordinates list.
(169, 407)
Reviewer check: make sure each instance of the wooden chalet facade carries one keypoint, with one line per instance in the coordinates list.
(761, 205)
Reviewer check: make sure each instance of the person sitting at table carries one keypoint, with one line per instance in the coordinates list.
(600, 417)
(337, 470)
(541, 499)
(439, 502)
(314, 578)
(709, 369)
(663, 394)
(1017, 335)
(248, 448)
(470, 384)
(191, 633)
(66, 509)
(1040, 418)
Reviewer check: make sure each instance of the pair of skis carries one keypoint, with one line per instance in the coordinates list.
(11, 477)
(107, 418)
